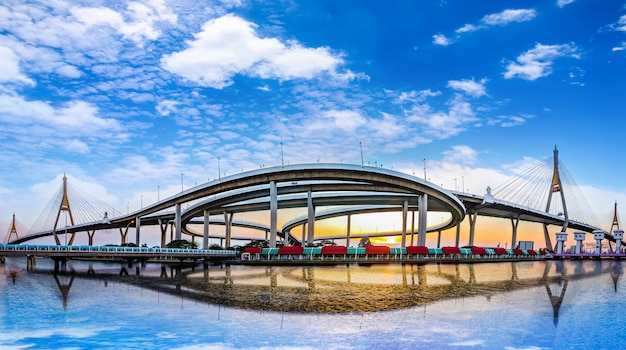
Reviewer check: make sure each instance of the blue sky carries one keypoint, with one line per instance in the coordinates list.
(125, 97)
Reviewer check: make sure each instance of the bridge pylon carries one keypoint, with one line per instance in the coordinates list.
(12, 229)
(615, 223)
(556, 186)
(63, 207)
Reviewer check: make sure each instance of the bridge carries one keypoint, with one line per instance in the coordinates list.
(346, 189)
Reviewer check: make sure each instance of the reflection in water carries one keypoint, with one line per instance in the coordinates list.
(66, 285)
(616, 272)
(316, 306)
(345, 288)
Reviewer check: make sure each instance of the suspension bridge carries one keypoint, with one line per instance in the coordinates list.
(539, 195)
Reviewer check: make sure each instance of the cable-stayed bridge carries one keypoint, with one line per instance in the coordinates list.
(537, 195)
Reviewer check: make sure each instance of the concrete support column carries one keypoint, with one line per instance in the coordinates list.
(472, 218)
(458, 235)
(546, 236)
(412, 226)
(514, 224)
(439, 239)
(405, 208)
(311, 218)
(163, 227)
(423, 214)
(348, 228)
(123, 233)
(273, 213)
(303, 241)
(561, 237)
(228, 224)
(579, 236)
(619, 235)
(137, 230)
(205, 236)
(178, 222)
(598, 235)
(90, 235)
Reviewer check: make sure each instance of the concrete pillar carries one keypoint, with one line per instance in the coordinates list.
(178, 222)
(311, 218)
(514, 224)
(90, 235)
(273, 213)
(137, 230)
(472, 218)
(303, 242)
(458, 235)
(205, 236)
(412, 226)
(619, 235)
(423, 214)
(123, 233)
(598, 235)
(561, 237)
(439, 239)
(348, 228)
(579, 236)
(405, 208)
(228, 224)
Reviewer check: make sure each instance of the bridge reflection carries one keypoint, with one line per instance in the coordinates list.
(338, 289)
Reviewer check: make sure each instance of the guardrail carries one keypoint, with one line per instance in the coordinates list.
(110, 251)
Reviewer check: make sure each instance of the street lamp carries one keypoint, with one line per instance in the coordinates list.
(181, 181)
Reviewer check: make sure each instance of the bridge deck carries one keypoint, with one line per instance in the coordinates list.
(105, 252)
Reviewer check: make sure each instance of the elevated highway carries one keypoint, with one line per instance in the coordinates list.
(352, 189)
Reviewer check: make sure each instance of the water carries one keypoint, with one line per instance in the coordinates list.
(525, 305)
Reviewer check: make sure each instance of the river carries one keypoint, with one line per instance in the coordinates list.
(520, 305)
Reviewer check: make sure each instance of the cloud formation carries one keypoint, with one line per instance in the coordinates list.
(538, 61)
(230, 45)
(469, 86)
(502, 18)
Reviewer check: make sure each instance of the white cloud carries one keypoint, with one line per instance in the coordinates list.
(416, 96)
(621, 24)
(468, 28)
(441, 39)
(509, 16)
(461, 154)
(440, 124)
(10, 67)
(140, 25)
(622, 47)
(469, 87)
(230, 45)
(537, 62)
(43, 124)
(495, 19)
(166, 107)
(345, 120)
(562, 3)
(508, 120)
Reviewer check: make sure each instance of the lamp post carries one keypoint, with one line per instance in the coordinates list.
(158, 193)
(219, 170)
(181, 182)
(424, 169)
(361, 147)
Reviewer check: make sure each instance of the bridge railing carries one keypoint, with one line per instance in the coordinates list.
(77, 250)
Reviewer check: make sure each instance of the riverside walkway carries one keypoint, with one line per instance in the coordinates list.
(64, 252)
